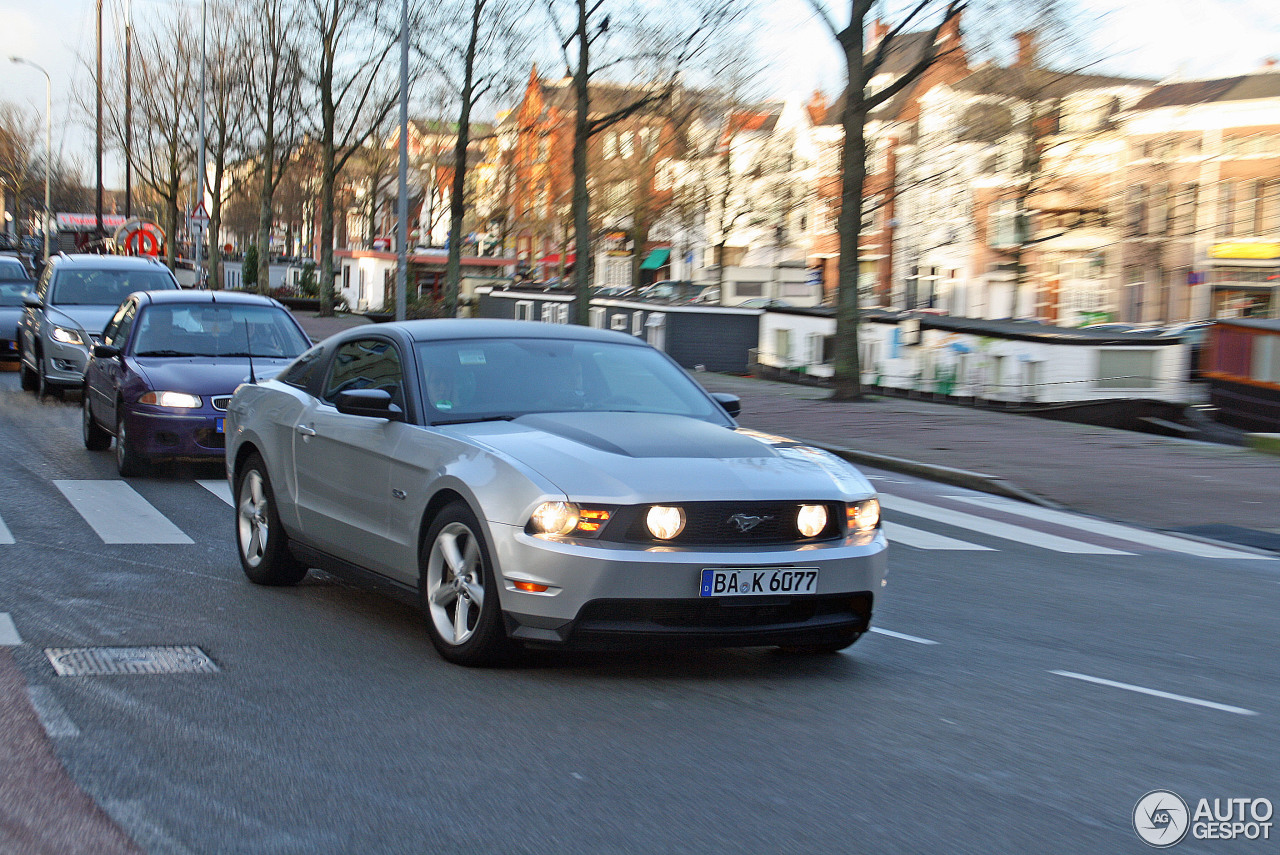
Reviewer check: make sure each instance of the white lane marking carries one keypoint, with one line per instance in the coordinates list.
(219, 488)
(1109, 529)
(902, 635)
(926, 539)
(119, 514)
(6, 536)
(53, 718)
(1155, 693)
(8, 632)
(995, 528)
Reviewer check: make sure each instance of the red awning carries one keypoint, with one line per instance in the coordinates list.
(555, 259)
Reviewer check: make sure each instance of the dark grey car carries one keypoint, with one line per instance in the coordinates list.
(65, 315)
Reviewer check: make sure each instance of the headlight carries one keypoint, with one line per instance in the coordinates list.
(67, 336)
(180, 400)
(665, 522)
(555, 518)
(811, 520)
(864, 516)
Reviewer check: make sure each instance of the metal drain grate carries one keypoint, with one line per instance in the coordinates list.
(95, 661)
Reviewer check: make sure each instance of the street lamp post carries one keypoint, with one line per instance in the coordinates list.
(48, 145)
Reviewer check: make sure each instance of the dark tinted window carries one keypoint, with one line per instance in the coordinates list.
(366, 364)
(303, 371)
(81, 287)
(117, 332)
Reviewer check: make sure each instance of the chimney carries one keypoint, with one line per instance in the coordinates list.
(879, 29)
(1026, 49)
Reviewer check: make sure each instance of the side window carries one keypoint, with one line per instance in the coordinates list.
(367, 363)
(126, 316)
(303, 370)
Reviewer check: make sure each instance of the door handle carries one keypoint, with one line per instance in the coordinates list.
(305, 431)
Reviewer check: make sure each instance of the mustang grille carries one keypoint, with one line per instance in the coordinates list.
(714, 523)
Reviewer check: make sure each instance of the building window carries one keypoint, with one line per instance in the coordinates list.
(782, 346)
(548, 313)
(1270, 200)
(596, 317)
(815, 345)
(637, 323)
(618, 322)
(524, 310)
(1126, 369)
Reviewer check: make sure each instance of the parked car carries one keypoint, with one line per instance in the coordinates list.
(14, 285)
(548, 485)
(169, 361)
(764, 303)
(72, 302)
(671, 291)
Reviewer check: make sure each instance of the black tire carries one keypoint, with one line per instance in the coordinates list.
(95, 438)
(820, 649)
(29, 381)
(128, 461)
(454, 571)
(260, 539)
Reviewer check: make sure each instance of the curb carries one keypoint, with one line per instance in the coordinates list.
(1267, 443)
(945, 474)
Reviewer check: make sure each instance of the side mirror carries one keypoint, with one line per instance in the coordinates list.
(106, 351)
(373, 403)
(732, 404)
(31, 301)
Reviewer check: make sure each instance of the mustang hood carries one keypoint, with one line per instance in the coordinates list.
(202, 375)
(91, 319)
(642, 457)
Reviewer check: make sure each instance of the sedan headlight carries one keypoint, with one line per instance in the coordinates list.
(178, 400)
(67, 336)
(864, 516)
(665, 522)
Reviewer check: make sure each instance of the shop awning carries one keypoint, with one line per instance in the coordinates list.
(655, 259)
(555, 259)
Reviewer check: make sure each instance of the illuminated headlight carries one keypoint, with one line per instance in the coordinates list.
(811, 520)
(67, 336)
(864, 516)
(665, 522)
(555, 518)
(179, 400)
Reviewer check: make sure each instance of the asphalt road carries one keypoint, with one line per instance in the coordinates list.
(972, 722)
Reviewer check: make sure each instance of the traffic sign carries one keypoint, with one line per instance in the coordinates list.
(198, 220)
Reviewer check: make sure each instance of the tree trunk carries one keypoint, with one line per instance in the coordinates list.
(457, 199)
(581, 202)
(264, 214)
(847, 370)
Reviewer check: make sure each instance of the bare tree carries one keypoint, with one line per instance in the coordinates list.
(861, 67)
(227, 99)
(347, 60)
(274, 99)
(19, 133)
(659, 51)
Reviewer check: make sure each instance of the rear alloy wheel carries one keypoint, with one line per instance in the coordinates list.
(95, 438)
(263, 547)
(459, 592)
(128, 461)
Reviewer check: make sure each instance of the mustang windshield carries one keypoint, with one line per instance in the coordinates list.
(204, 329)
(477, 379)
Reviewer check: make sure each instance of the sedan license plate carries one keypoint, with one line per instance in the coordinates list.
(757, 582)
(219, 425)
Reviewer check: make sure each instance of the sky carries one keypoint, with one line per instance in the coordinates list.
(1141, 38)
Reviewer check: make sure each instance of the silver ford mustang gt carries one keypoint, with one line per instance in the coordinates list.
(543, 485)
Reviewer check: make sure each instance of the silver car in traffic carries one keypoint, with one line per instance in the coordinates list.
(545, 485)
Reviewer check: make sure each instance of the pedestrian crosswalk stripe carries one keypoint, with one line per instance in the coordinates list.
(1108, 529)
(219, 488)
(8, 632)
(119, 514)
(1004, 530)
(6, 536)
(898, 533)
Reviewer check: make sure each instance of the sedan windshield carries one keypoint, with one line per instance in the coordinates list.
(206, 329)
(482, 379)
(105, 287)
(11, 292)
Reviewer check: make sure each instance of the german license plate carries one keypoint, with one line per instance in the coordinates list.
(758, 582)
(218, 425)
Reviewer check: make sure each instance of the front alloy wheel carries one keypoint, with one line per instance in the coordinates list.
(459, 592)
(128, 461)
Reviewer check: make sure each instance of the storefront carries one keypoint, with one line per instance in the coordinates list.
(1245, 279)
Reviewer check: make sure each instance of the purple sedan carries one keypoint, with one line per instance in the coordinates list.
(168, 363)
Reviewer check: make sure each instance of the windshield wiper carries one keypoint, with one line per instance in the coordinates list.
(473, 420)
(167, 353)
